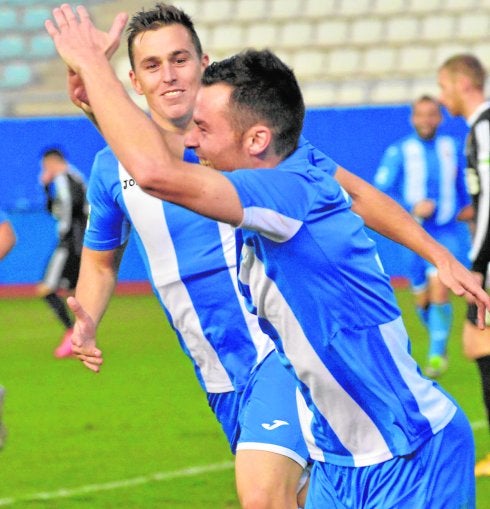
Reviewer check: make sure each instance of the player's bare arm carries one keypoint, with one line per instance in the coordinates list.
(96, 283)
(385, 216)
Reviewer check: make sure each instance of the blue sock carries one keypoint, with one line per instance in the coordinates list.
(423, 314)
(439, 321)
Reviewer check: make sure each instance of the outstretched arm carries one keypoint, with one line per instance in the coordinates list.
(386, 217)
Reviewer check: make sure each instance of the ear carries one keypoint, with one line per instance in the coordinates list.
(258, 139)
(204, 62)
(463, 82)
(135, 83)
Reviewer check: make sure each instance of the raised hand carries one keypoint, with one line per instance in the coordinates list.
(76, 38)
(76, 88)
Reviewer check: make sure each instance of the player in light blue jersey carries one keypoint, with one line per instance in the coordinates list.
(380, 429)
(191, 263)
(237, 135)
(424, 172)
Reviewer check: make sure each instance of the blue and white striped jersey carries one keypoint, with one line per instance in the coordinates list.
(191, 263)
(313, 276)
(414, 169)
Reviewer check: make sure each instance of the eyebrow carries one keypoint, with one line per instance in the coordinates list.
(200, 122)
(174, 54)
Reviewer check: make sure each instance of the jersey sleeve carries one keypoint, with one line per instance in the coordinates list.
(276, 202)
(389, 175)
(107, 227)
(386, 176)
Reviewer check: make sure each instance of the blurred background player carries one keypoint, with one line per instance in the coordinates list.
(424, 172)
(65, 200)
(7, 242)
(462, 91)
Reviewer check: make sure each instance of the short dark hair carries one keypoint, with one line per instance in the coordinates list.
(469, 65)
(161, 15)
(264, 90)
(56, 152)
(426, 98)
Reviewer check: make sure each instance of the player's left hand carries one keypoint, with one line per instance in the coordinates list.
(465, 284)
(83, 341)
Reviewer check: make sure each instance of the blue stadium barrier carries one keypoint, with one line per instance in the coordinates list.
(354, 137)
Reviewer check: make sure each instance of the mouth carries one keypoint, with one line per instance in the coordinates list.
(205, 162)
(172, 93)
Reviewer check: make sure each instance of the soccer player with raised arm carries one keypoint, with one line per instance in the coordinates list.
(191, 263)
(307, 269)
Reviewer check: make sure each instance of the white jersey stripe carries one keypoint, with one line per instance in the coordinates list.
(430, 404)
(263, 344)
(448, 159)
(147, 215)
(329, 397)
(415, 186)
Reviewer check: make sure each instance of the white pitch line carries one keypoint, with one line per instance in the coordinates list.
(137, 481)
(126, 483)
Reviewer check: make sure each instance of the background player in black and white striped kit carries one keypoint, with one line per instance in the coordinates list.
(462, 84)
(65, 194)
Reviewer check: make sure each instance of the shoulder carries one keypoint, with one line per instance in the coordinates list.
(105, 157)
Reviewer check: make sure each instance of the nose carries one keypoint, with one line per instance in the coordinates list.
(169, 75)
(190, 139)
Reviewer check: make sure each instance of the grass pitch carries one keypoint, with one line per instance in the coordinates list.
(139, 435)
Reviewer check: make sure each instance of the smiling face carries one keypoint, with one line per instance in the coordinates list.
(167, 71)
(426, 117)
(213, 135)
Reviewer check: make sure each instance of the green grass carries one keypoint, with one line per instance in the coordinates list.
(142, 416)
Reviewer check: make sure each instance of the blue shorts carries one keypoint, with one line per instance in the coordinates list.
(439, 475)
(265, 415)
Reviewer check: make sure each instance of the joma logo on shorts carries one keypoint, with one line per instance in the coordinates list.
(275, 424)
